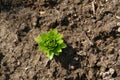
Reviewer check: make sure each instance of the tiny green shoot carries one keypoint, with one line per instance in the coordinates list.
(51, 43)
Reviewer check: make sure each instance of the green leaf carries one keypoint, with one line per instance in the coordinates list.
(63, 45)
(54, 31)
(57, 49)
(37, 39)
(59, 36)
(50, 55)
(60, 41)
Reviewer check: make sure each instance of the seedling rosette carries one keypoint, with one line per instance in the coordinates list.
(51, 43)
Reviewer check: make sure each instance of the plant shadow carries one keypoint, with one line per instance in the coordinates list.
(69, 59)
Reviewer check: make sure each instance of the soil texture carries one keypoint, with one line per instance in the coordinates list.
(91, 30)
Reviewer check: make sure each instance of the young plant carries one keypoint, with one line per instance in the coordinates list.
(51, 43)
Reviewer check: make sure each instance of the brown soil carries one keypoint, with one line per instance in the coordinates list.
(91, 31)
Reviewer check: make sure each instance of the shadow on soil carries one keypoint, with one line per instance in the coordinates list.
(69, 59)
(1, 57)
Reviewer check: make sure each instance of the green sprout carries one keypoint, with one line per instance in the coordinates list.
(51, 43)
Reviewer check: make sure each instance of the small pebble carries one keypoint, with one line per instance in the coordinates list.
(111, 71)
(72, 67)
(42, 12)
(34, 21)
(76, 58)
(119, 29)
(118, 17)
(18, 63)
(27, 67)
(118, 24)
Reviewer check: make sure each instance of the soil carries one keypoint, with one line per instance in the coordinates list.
(91, 30)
